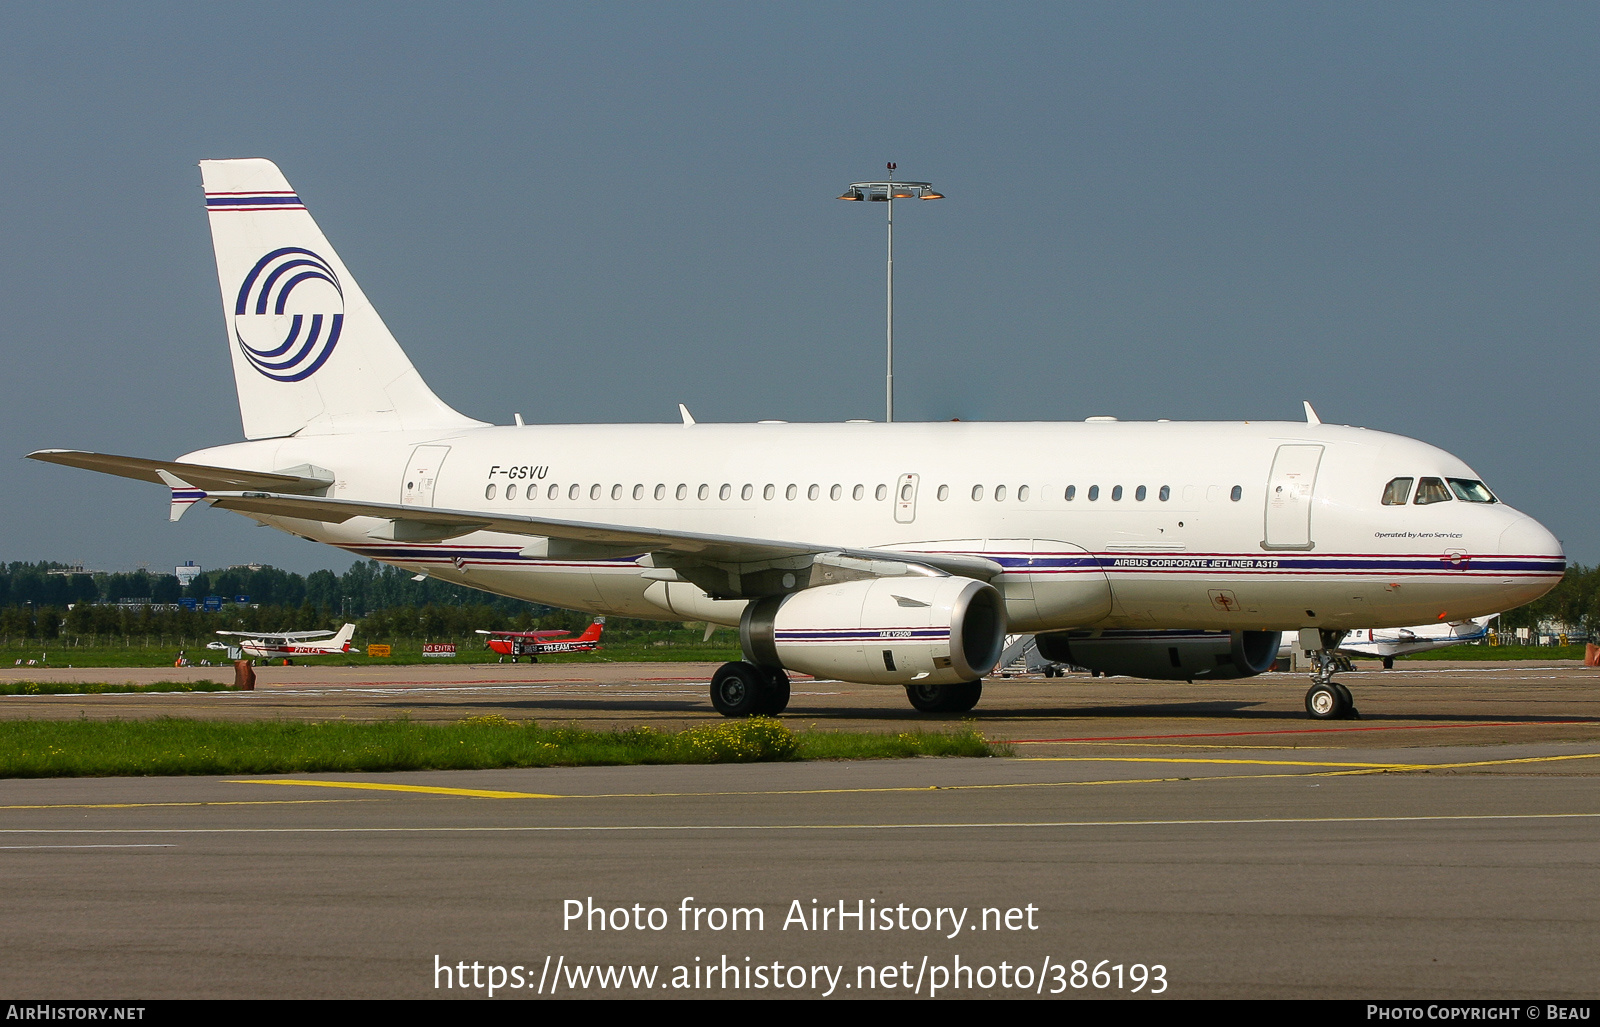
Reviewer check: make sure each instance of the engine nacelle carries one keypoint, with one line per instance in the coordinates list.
(884, 631)
(1166, 655)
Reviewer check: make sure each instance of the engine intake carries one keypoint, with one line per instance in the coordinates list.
(1166, 655)
(886, 631)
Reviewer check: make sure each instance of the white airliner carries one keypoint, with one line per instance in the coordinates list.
(896, 554)
(287, 644)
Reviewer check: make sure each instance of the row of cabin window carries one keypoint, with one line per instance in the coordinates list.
(746, 493)
(1434, 490)
(1140, 493)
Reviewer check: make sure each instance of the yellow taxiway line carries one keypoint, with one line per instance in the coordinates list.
(148, 805)
(474, 793)
(1337, 770)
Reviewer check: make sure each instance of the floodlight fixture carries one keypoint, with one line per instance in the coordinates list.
(887, 193)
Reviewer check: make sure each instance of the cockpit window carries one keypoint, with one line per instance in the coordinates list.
(1397, 492)
(1431, 490)
(1469, 491)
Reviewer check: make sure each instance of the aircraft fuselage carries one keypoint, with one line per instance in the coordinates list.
(1228, 526)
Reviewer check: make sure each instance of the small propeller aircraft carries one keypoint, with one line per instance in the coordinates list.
(551, 640)
(272, 645)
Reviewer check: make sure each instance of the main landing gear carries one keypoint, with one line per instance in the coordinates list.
(746, 690)
(945, 698)
(1327, 699)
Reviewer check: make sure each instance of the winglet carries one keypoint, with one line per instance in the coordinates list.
(1311, 415)
(184, 495)
(688, 418)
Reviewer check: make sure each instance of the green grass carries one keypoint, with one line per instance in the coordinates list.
(99, 687)
(172, 746)
(63, 653)
(1502, 652)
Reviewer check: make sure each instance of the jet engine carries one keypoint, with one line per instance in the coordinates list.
(941, 630)
(1165, 655)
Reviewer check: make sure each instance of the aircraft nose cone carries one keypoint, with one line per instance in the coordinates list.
(1527, 537)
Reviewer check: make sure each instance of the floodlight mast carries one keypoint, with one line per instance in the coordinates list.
(888, 192)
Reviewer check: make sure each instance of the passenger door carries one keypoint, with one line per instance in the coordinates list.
(1289, 492)
(422, 474)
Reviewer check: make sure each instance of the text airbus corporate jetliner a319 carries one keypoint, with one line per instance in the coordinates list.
(894, 554)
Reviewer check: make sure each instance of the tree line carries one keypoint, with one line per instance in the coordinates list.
(382, 600)
(364, 588)
(1574, 603)
(385, 602)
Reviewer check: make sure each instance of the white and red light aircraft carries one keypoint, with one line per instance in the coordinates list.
(534, 644)
(895, 554)
(288, 644)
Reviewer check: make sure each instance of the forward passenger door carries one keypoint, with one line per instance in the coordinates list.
(1289, 492)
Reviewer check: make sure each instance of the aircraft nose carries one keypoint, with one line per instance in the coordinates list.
(1527, 537)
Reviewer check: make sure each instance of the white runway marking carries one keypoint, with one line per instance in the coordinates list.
(107, 845)
(967, 826)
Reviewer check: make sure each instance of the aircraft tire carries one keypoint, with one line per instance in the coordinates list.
(776, 697)
(945, 698)
(738, 689)
(1349, 702)
(1324, 702)
(1388, 663)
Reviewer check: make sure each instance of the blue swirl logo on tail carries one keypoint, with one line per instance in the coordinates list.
(289, 314)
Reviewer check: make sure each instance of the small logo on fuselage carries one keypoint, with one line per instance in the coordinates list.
(289, 314)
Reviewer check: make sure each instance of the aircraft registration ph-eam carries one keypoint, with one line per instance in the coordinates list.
(534, 644)
(895, 554)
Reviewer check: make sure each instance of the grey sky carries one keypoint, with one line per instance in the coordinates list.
(593, 212)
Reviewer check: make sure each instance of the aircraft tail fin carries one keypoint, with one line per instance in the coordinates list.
(342, 639)
(592, 632)
(310, 354)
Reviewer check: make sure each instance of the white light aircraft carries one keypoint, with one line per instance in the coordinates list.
(288, 644)
(1387, 643)
(895, 554)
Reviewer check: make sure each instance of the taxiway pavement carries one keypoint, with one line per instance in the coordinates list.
(1446, 846)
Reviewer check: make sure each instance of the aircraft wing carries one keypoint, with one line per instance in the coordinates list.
(547, 633)
(264, 636)
(714, 548)
(199, 475)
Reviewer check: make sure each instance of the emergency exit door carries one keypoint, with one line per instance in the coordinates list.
(905, 499)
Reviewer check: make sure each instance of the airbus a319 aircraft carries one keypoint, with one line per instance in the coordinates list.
(895, 554)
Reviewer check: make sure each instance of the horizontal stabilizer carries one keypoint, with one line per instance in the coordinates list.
(198, 476)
